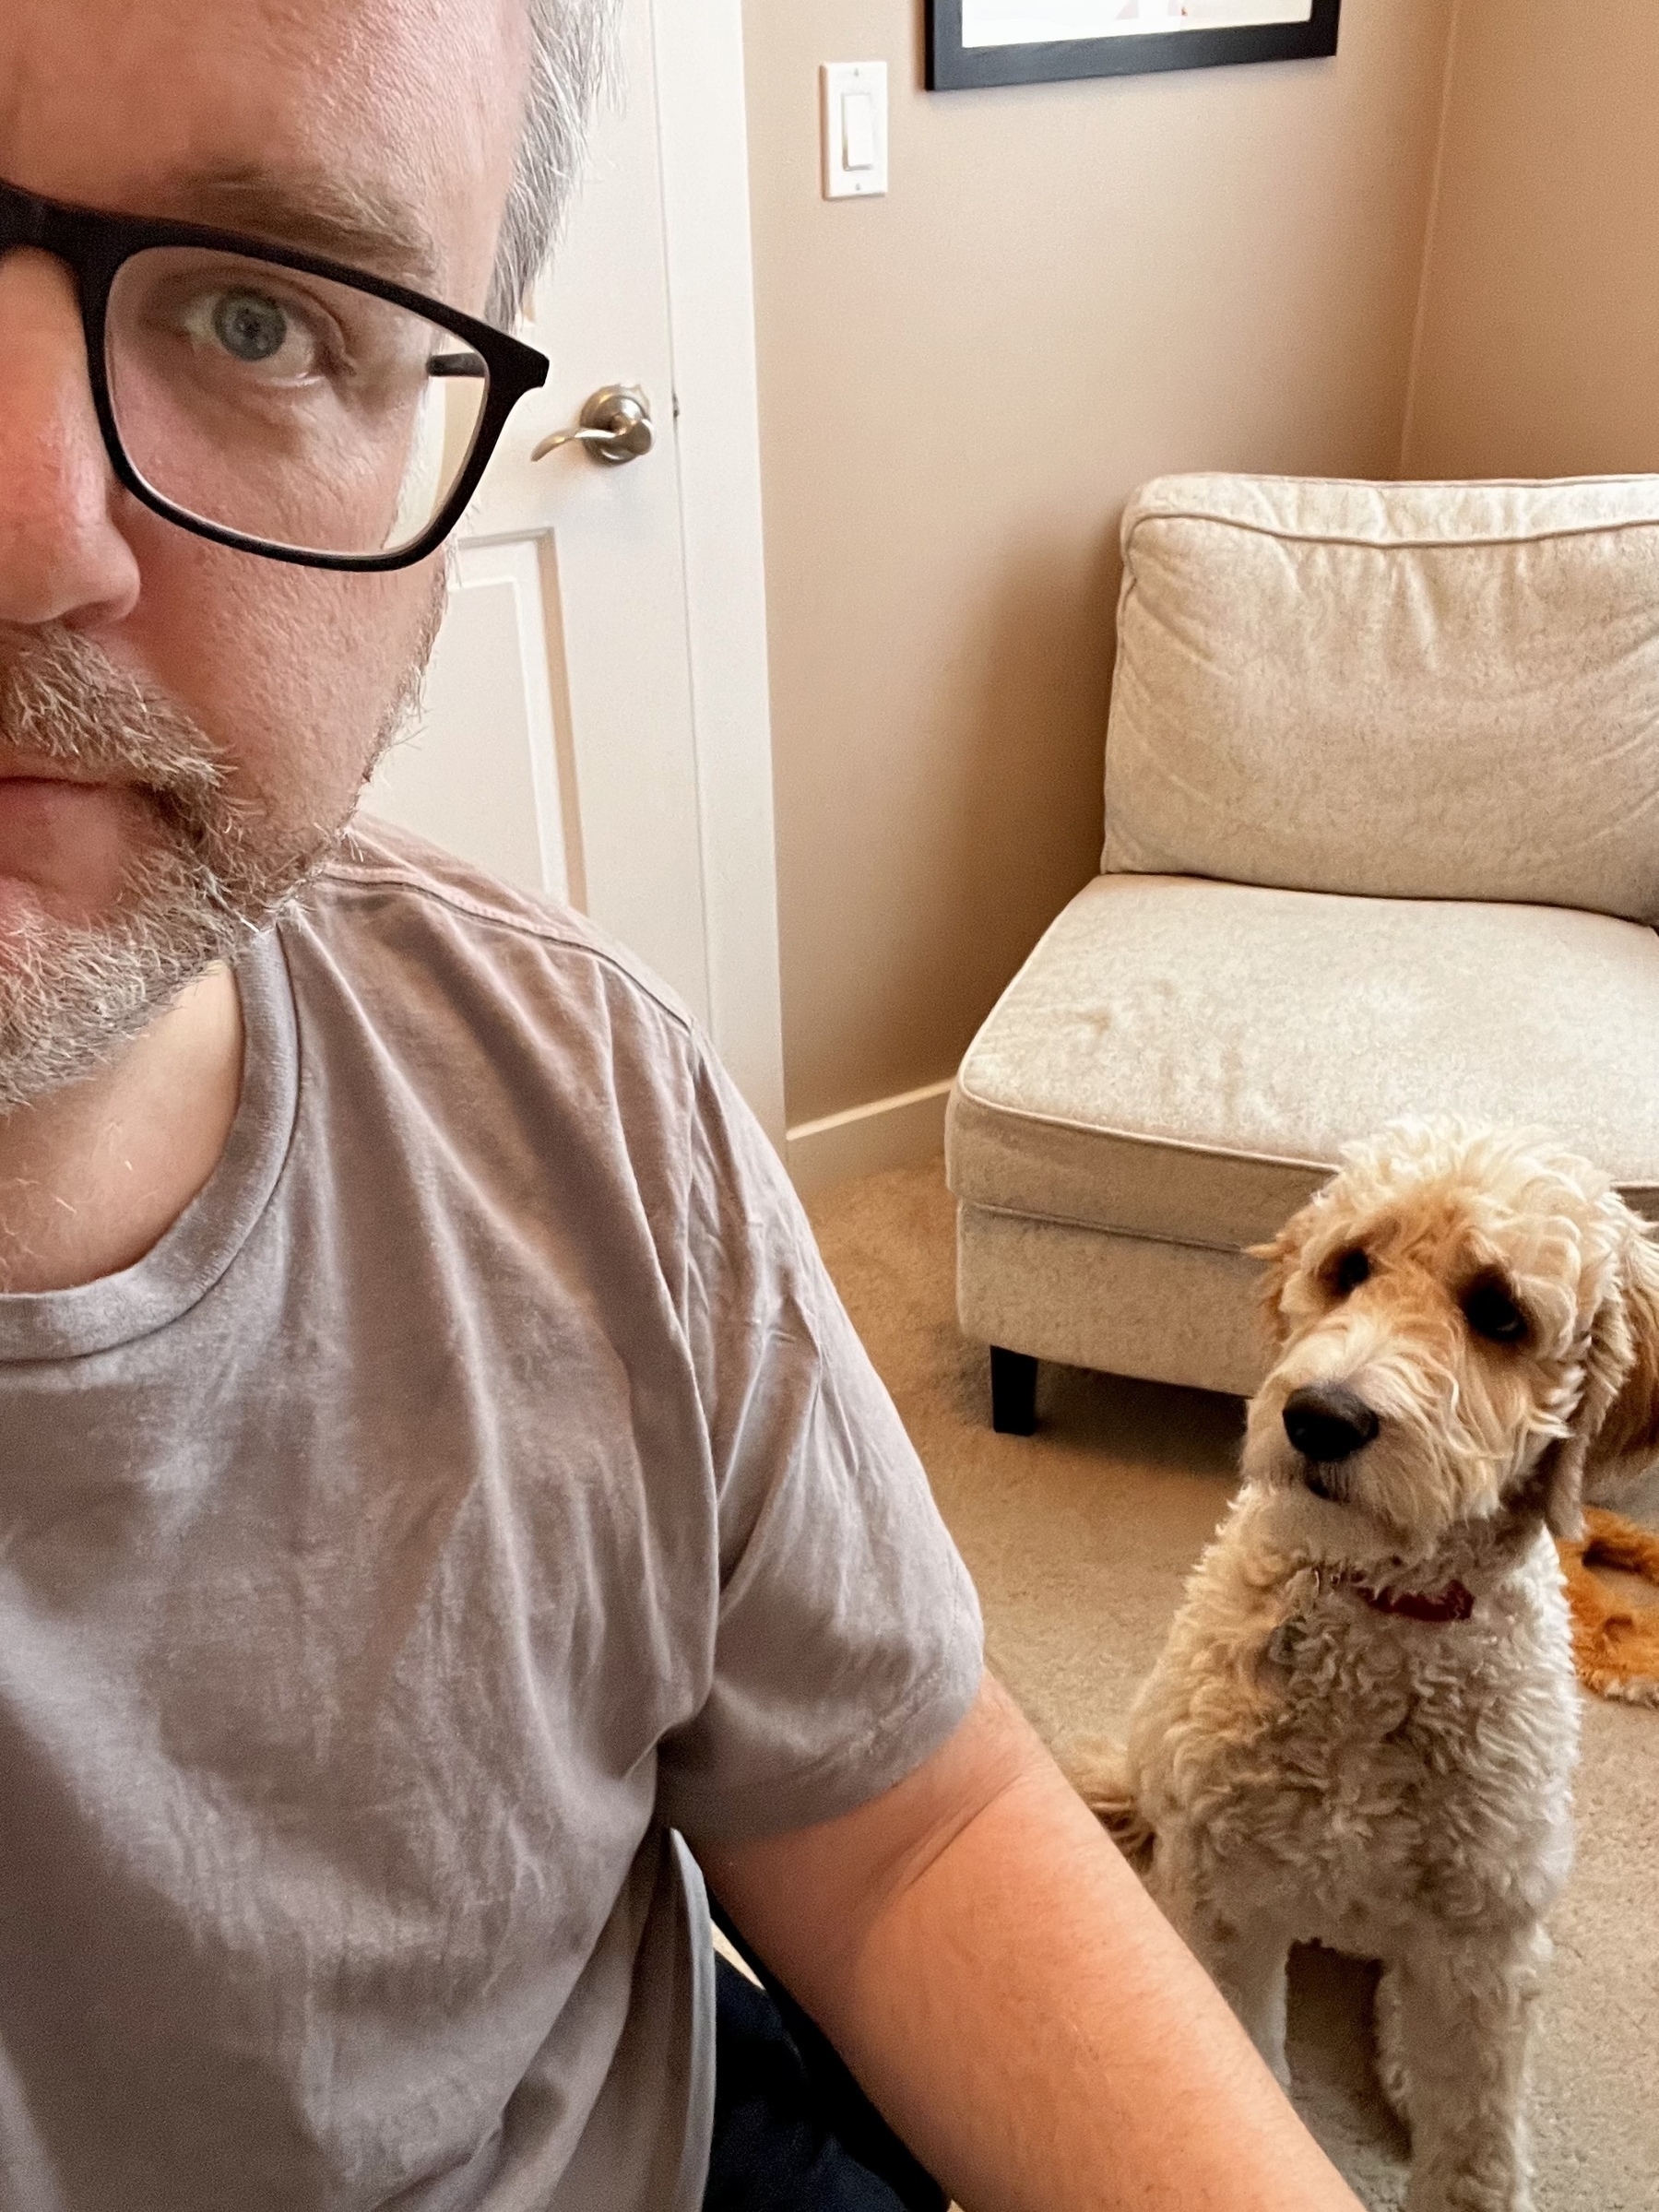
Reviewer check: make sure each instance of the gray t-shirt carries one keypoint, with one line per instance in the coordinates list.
(479, 1481)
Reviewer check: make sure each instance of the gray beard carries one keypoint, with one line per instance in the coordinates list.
(220, 870)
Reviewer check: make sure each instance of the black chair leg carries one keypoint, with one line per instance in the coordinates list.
(1012, 1392)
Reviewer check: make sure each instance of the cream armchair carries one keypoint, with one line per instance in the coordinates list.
(1381, 838)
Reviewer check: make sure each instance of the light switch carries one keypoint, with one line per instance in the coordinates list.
(858, 130)
(853, 120)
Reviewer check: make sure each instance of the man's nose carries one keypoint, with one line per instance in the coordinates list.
(61, 556)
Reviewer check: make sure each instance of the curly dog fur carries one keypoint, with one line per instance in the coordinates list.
(1363, 1727)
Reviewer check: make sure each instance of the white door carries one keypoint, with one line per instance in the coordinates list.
(559, 746)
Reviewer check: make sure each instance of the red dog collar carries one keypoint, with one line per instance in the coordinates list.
(1455, 1602)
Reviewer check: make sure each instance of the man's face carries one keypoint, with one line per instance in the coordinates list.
(381, 132)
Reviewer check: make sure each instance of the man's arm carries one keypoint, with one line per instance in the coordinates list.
(1006, 1992)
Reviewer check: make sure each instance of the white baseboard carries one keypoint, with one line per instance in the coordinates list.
(902, 1132)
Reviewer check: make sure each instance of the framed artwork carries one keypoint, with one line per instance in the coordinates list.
(975, 42)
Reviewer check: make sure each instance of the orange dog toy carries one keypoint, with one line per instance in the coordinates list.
(1615, 1644)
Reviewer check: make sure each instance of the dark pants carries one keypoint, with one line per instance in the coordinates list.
(793, 2131)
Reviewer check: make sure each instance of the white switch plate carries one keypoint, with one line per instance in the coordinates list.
(862, 134)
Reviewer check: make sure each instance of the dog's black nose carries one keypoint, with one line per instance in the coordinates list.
(1327, 1422)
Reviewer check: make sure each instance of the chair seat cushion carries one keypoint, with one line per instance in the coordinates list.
(1184, 1058)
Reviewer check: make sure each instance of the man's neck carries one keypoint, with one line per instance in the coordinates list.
(92, 1175)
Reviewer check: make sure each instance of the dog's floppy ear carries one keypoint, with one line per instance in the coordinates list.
(1617, 1415)
(1629, 1425)
(1560, 1484)
(1283, 1255)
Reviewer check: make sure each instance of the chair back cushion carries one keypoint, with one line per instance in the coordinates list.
(1409, 691)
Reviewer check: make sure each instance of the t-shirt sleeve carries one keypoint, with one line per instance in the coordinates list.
(848, 1642)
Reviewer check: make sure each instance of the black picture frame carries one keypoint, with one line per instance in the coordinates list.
(952, 68)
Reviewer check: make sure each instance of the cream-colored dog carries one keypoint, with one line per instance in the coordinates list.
(1362, 1731)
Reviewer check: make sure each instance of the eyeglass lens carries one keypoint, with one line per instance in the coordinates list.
(285, 406)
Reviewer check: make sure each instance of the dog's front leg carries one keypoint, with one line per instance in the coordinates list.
(1465, 2010)
(1244, 1949)
(1250, 1966)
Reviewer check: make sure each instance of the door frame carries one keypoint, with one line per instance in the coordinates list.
(702, 133)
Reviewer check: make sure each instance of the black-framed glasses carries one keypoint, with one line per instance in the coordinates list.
(275, 400)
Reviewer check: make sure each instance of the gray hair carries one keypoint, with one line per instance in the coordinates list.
(571, 43)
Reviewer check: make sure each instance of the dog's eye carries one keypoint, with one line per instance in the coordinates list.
(1491, 1312)
(1352, 1269)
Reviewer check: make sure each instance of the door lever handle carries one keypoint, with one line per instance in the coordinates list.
(615, 426)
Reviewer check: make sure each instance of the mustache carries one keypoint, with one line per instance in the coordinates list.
(64, 704)
(228, 854)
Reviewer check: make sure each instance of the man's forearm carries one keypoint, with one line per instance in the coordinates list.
(1034, 2029)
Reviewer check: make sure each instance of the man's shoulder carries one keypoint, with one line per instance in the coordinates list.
(440, 1007)
(389, 900)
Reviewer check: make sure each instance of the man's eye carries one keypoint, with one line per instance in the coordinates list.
(257, 331)
(1351, 1270)
(251, 328)
(1491, 1312)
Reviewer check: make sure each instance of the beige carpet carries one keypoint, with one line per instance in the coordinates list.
(1079, 1539)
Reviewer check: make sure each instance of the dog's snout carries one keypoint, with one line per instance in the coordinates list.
(1326, 1422)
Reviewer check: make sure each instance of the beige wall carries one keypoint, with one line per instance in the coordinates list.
(1540, 348)
(1069, 288)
